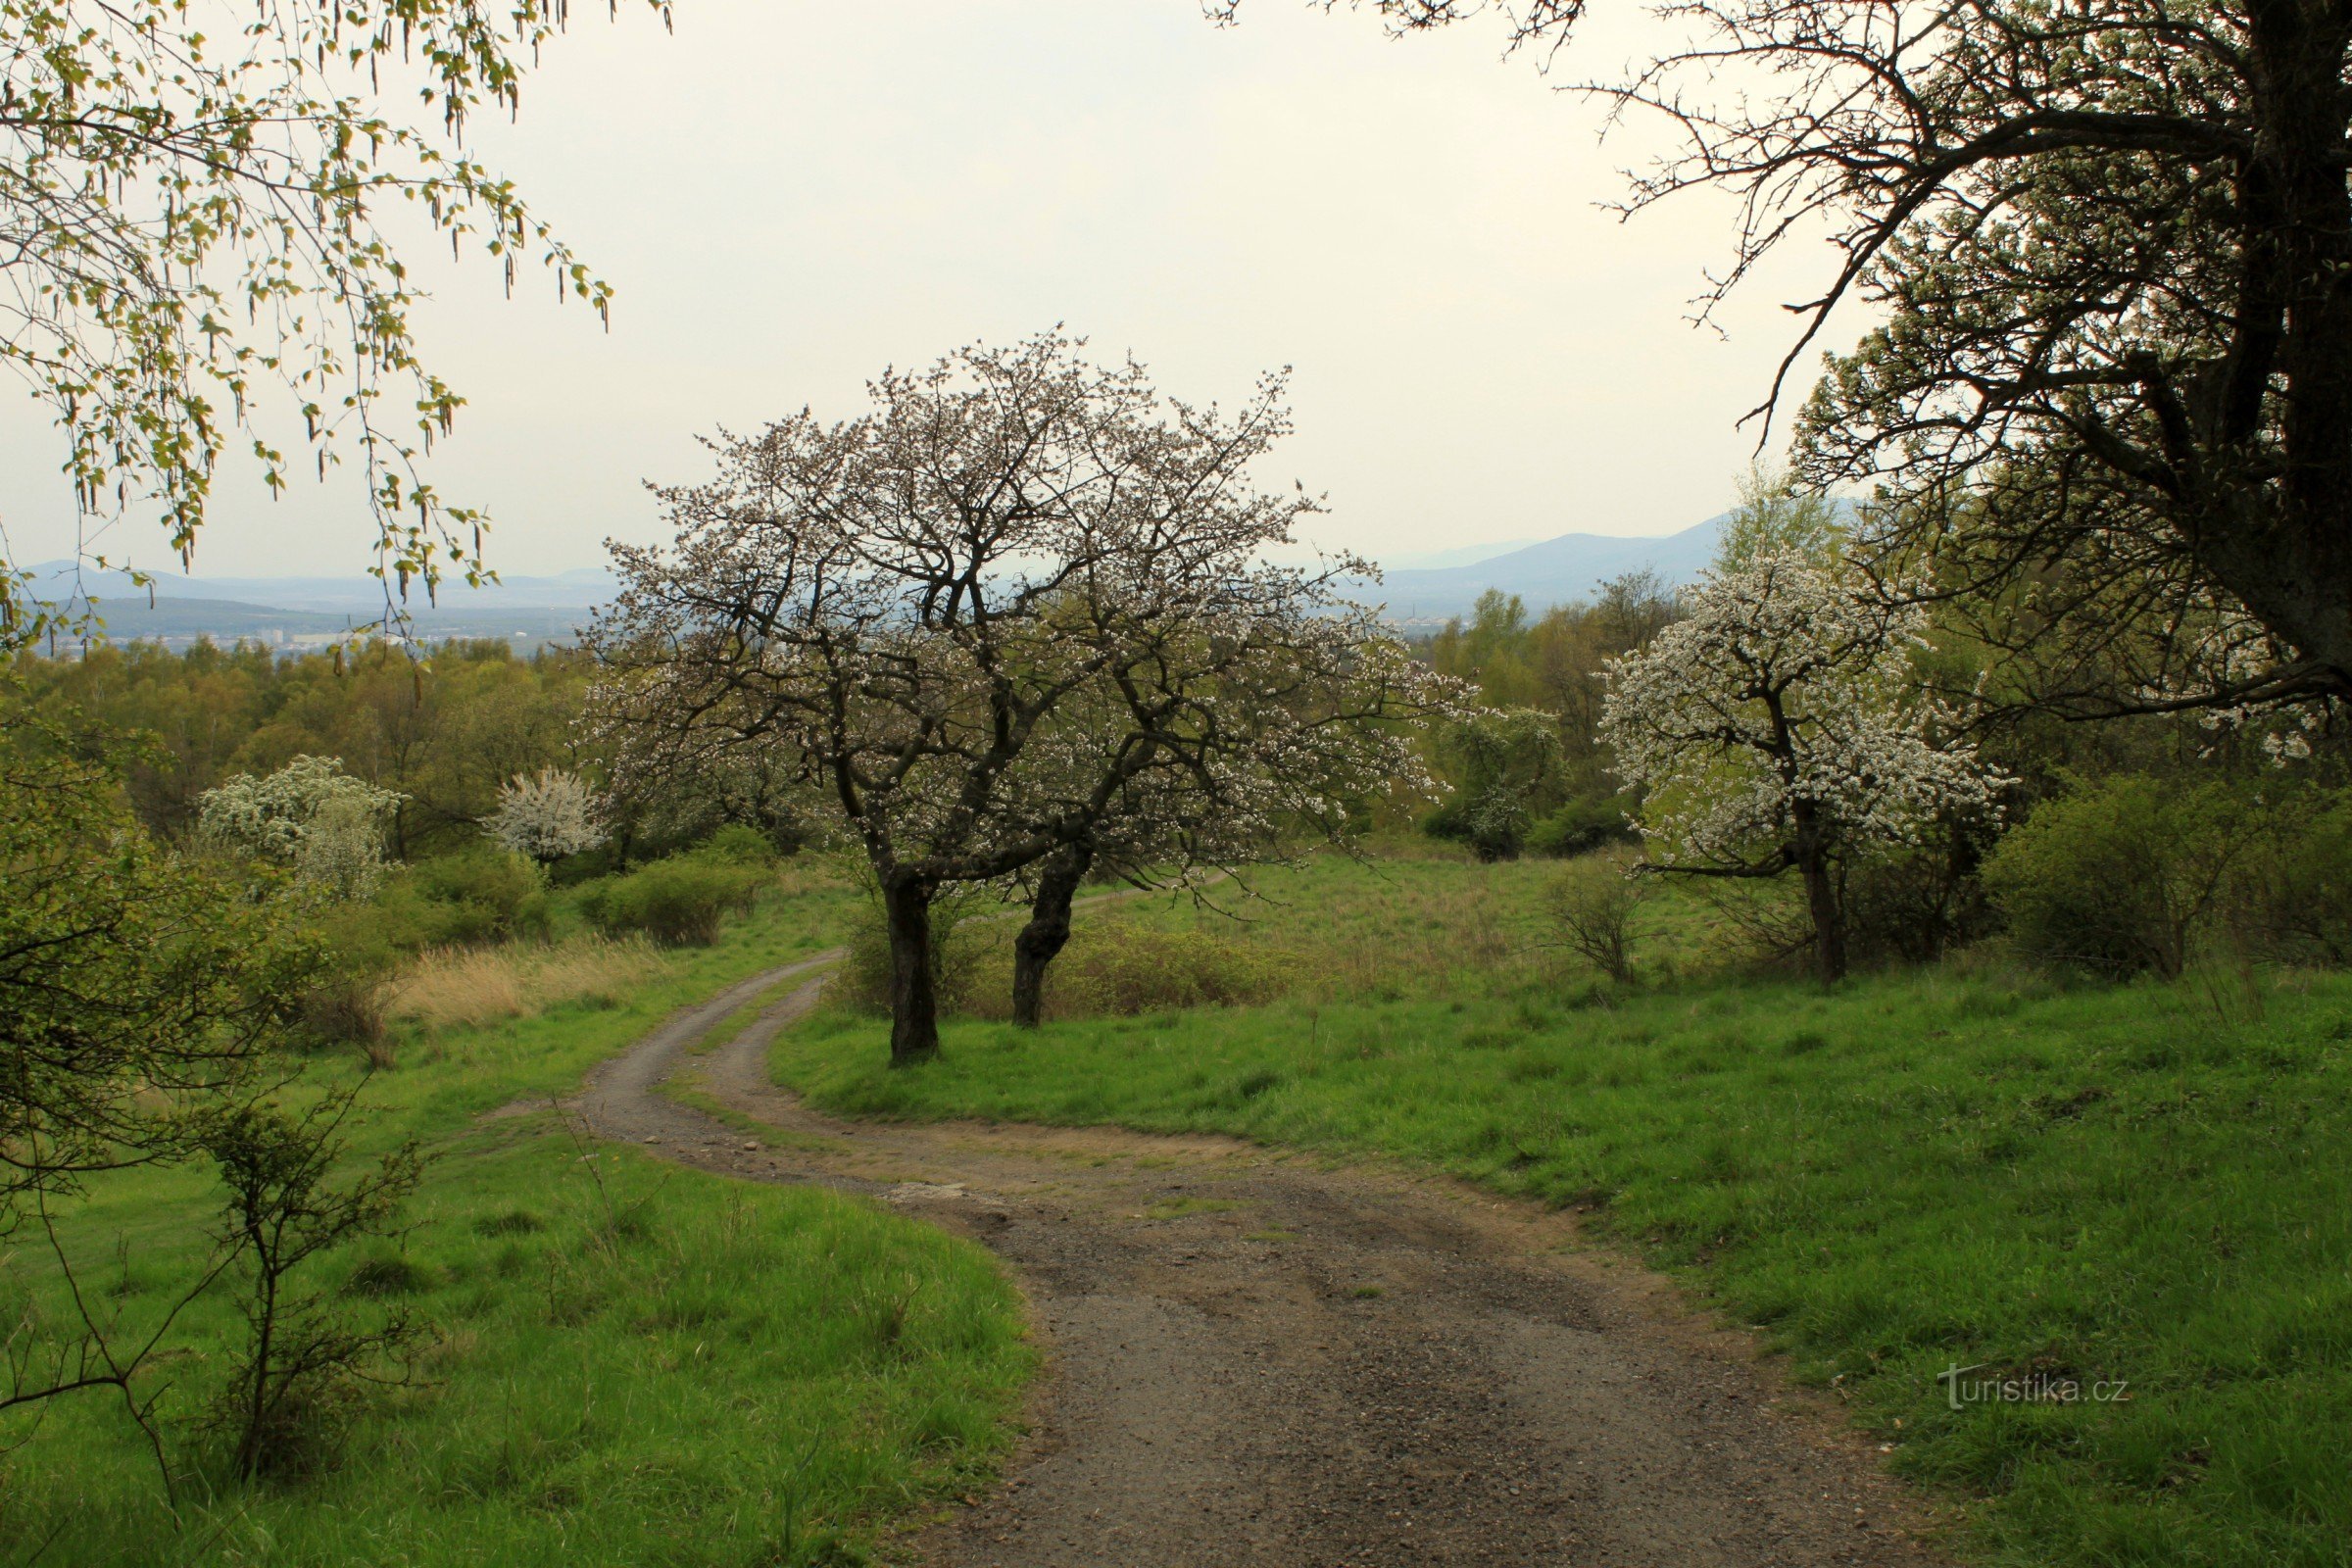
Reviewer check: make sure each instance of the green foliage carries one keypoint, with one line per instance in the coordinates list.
(133, 983)
(2296, 903)
(2129, 874)
(295, 1383)
(682, 900)
(478, 895)
(1505, 764)
(445, 735)
(631, 1364)
(1584, 825)
(740, 844)
(1775, 519)
(1554, 662)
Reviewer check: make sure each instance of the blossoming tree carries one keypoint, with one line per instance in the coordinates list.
(929, 608)
(309, 815)
(547, 816)
(1776, 728)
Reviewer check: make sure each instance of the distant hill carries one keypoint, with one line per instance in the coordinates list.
(356, 595)
(299, 611)
(1556, 572)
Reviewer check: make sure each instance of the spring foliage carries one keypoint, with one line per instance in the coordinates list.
(309, 815)
(546, 816)
(195, 231)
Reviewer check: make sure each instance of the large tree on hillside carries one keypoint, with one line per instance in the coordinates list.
(2111, 243)
(1238, 708)
(190, 233)
(1777, 727)
(914, 605)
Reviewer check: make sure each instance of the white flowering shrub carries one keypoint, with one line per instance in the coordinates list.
(309, 815)
(546, 817)
(1776, 728)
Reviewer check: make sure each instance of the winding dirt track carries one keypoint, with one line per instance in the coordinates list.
(1259, 1359)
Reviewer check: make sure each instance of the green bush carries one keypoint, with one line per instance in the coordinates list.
(678, 900)
(2294, 898)
(2131, 874)
(739, 844)
(1583, 826)
(1915, 903)
(477, 894)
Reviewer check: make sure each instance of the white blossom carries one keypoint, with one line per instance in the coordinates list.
(309, 815)
(1777, 727)
(546, 817)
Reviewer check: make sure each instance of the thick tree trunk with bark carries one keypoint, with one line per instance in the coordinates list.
(1048, 930)
(914, 996)
(1821, 893)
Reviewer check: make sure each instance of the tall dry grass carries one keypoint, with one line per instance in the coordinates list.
(461, 988)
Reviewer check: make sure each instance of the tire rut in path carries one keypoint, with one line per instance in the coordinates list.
(1258, 1359)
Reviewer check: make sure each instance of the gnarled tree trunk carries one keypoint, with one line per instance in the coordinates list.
(914, 995)
(1048, 930)
(1821, 893)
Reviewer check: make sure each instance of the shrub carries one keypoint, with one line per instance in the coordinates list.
(737, 844)
(309, 815)
(2293, 898)
(546, 817)
(1914, 904)
(1583, 826)
(1593, 905)
(2128, 875)
(346, 1009)
(477, 894)
(681, 900)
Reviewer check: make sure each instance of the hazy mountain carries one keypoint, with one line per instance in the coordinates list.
(359, 596)
(299, 611)
(1555, 571)
(1458, 556)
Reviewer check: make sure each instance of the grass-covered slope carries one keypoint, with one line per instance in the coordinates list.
(2141, 1186)
(627, 1362)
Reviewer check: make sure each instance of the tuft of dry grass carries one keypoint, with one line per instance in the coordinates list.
(463, 988)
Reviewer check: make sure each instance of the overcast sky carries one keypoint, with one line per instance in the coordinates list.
(790, 196)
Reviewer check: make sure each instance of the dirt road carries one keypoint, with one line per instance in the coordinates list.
(1258, 1359)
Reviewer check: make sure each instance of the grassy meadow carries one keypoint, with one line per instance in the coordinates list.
(1962, 1166)
(622, 1363)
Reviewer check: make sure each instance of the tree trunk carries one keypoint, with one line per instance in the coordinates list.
(1048, 930)
(914, 999)
(1821, 895)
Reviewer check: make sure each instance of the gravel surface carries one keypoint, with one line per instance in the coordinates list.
(1260, 1358)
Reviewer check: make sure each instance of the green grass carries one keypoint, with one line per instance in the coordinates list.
(1921, 1170)
(627, 1362)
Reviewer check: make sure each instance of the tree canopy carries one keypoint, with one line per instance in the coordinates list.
(196, 235)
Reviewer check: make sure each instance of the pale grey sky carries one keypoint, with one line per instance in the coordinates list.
(791, 195)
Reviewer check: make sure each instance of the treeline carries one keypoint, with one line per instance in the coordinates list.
(446, 733)
(1529, 773)
(1864, 770)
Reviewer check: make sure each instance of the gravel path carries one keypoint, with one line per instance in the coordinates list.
(1257, 1358)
